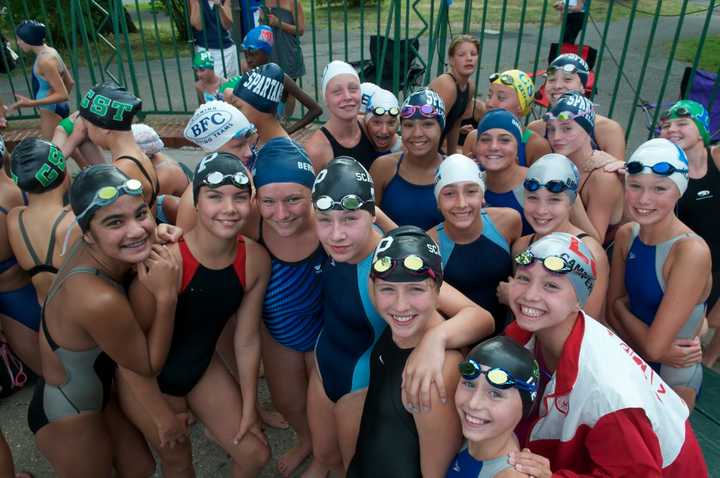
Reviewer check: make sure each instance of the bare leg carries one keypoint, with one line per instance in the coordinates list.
(7, 469)
(712, 351)
(348, 413)
(688, 395)
(131, 455)
(48, 123)
(23, 341)
(326, 449)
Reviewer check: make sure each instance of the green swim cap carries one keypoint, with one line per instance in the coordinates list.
(693, 110)
(203, 60)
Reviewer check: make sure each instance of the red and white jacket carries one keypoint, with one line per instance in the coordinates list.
(606, 413)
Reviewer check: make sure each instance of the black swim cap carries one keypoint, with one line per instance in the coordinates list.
(110, 106)
(219, 169)
(86, 186)
(504, 353)
(31, 32)
(407, 254)
(37, 165)
(344, 177)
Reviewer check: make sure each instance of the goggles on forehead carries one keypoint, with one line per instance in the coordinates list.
(349, 202)
(245, 132)
(567, 68)
(109, 194)
(565, 115)
(505, 78)
(412, 263)
(553, 186)
(680, 111)
(379, 111)
(216, 179)
(555, 264)
(426, 110)
(497, 377)
(661, 169)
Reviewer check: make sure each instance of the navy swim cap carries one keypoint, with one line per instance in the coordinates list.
(501, 119)
(282, 160)
(504, 353)
(31, 32)
(110, 106)
(86, 186)
(262, 87)
(219, 169)
(344, 177)
(573, 105)
(421, 97)
(407, 254)
(37, 166)
(571, 63)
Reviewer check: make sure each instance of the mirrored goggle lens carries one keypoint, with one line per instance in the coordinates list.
(555, 264)
(412, 263)
(504, 79)
(425, 110)
(568, 68)
(245, 132)
(109, 193)
(350, 202)
(379, 111)
(524, 258)
(216, 178)
(469, 370)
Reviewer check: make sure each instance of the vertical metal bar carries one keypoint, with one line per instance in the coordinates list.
(396, 49)
(407, 40)
(145, 55)
(431, 43)
(623, 56)
(362, 39)
(383, 50)
(329, 24)
(521, 31)
(586, 9)
(156, 30)
(345, 29)
(314, 48)
(563, 21)
(540, 35)
(503, 14)
(443, 19)
(701, 43)
(23, 67)
(87, 16)
(466, 16)
(598, 63)
(75, 12)
(177, 60)
(116, 24)
(131, 64)
(483, 23)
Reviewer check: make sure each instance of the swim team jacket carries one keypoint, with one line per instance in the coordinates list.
(605, 412)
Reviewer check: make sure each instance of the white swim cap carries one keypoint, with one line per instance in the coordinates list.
(147, 138)
(367, 89)
(660, 150)
(458, 168)
(215, 123)
(383, 99)
(335, 68)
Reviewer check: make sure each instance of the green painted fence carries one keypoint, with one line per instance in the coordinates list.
(641, 45)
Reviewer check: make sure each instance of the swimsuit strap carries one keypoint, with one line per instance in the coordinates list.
(446, 244)
(582, 235)
(51, 245)
(26, 239)
(587, 178)
(3, 210)
(155, 186)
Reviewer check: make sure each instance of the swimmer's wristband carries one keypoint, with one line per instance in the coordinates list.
(68, 125)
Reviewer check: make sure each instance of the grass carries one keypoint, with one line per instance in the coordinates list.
(710, 57)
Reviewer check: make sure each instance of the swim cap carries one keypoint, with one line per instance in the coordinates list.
(37, 165)
(504, 353)
(521, 83)
(661, 150)
(407, 254)
(86, 186)
(553, 171)
(215, 123)
(147, 138)
(262, 87)
(259, 38)
(344, 177)
(110, 106)
(282, 160)
(219, 169)
(457, 168)
(425, 96)
(693, 110)
(335, 68)
(31, 32)
(501, 119)
(203, 60)
(567, 255)
(367, 89)
(573, 105)
(571, 63)
(383, 99)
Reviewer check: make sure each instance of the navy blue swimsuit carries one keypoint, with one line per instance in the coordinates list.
(512, 199)
(352, 326)
(466, 466)
(476, 269)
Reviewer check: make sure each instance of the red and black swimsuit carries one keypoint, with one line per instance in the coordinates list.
(208, 299)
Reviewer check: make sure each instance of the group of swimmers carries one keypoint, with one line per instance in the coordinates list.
(418, 311)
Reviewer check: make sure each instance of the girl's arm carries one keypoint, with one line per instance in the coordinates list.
(439, 431)
(606, 192)
(313, 108)
(595, 306)
(225, 13)
(579, 218)
(616, 284)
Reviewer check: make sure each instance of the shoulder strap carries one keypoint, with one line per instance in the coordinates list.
(362, 369)
(582, 235)
(3, 210)
(331, 139)
(587, 178)
(26, 239)
(155, 185)
(661, 254)
(492, 233)
(51, 245)
(446, 244)
(189, 264)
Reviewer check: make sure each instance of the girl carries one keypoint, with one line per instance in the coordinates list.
(51, 80)
(455, 87)
(208, 84)
(472, 234)
(602, 411)
(223, 274)
(406, 275)
(661, 272)
(404, 181)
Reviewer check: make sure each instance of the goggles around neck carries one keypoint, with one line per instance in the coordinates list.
(217, 179)
(661, 169)
(109, 194)
(411, 263)
(349, 202)
(556, 264)
(565, 115)
(379, 111)
(553, 186)
(497, 377)
(426, 110)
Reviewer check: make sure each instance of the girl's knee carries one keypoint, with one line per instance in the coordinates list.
(251, 453)
(176, 459)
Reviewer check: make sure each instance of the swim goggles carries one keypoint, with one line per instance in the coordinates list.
(565, 115)
(504, 78)
(555, 264)
(497, 377)
(109, 194)
(245, 132)
(412, 263)
(379, 111)
(216, 179)
(567, 68)
(553, 186)
(350, 202)
(680, 111)
(661, 169)
(426, 110)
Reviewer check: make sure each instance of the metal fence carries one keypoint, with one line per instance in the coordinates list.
(145, 45)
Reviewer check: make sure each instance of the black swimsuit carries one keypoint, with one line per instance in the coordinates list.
(40, 266)
(364, 151)
(462, 98)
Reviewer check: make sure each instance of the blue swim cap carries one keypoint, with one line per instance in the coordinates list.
(259, 38)
(282, 160)
(262, 87)
(31, 32)
(571, 63)
(573, 105)
(425, 96)
(501, 119)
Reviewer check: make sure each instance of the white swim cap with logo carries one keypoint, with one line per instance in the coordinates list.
(382, 99)
(215, 123)
(458, 168)
(367, 90)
